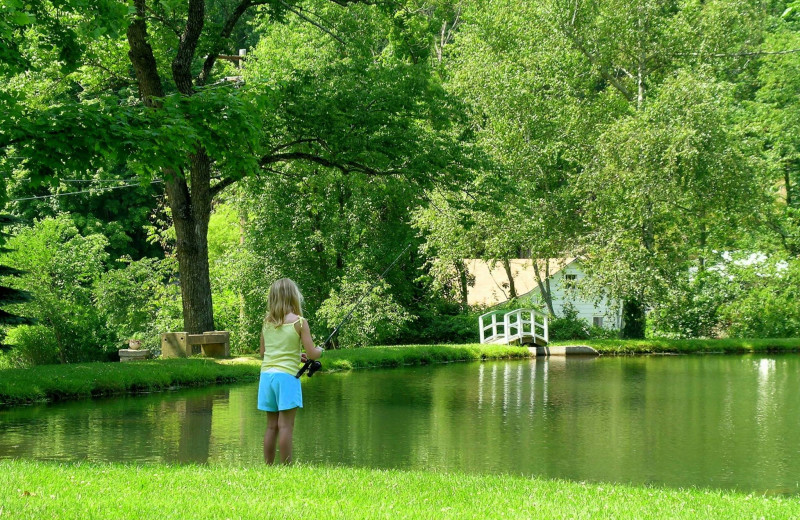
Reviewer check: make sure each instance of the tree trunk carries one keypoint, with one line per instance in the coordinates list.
(190, 215)
(511, 287)
(191, 210)
(462, 282)
(544, 285)
(633, 318)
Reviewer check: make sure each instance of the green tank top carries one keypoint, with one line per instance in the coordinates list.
(282, 348)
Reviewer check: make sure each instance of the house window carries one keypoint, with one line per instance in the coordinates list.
(569, 280)
(597, 321)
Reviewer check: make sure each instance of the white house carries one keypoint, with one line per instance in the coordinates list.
(491, 287)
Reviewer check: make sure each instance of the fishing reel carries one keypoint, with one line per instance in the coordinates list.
(309, 366)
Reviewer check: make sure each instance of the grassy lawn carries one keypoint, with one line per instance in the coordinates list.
(689, 346)
(33, 490)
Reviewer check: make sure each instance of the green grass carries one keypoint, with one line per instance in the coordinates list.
(76, 381)
(689, 346)
(59, 382)
(417, 355)
(33, 490)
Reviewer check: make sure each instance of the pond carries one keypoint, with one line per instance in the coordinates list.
(715, 421)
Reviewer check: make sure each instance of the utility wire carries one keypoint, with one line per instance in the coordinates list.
(82, 192)
(92, 180)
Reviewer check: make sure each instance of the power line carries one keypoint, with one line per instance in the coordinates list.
(91, 180)
(82, 192)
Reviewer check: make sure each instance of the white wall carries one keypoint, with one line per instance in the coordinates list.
(587, 308)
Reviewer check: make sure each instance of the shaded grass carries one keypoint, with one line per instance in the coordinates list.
(76, 381)
(33, 490)
(82, 380)
(689, 346)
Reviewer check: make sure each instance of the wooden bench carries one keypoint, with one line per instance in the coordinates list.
(210, 344)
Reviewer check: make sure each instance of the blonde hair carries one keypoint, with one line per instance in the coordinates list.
(284, 298)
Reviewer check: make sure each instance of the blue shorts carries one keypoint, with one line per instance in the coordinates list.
(279, 391)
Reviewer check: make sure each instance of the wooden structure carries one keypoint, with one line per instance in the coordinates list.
(130, 354)
(210, 344)
(521, 326)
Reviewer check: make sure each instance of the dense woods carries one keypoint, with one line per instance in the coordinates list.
(156, 180)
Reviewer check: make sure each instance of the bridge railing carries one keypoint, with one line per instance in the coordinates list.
(512, 326)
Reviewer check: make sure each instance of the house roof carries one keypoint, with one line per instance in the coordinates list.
(491, 285)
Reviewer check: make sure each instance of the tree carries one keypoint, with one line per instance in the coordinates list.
(671, 186)
(176, 118)
(776, 113)
(9, 295)
(61, 268)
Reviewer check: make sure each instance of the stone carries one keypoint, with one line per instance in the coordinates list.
(566, 350)
(129, 354)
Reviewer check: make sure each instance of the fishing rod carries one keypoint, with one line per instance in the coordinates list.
(313, 366)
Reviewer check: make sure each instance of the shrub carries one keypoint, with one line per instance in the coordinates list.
(139, 302)
(570, 326)
(61, 267)
(377, 318)
(32, 345)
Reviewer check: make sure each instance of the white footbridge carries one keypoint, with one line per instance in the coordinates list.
(522, 326)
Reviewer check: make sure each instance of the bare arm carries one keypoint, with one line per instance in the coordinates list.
(261, 350)
(305, 337)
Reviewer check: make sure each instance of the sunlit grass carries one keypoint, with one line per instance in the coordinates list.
(689, 346)
(34, 490)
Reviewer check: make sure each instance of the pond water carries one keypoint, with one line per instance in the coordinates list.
(728, 422)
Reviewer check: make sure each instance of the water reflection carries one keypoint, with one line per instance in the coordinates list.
(718, 421)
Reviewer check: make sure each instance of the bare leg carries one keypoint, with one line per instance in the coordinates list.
(271, 437)
(285, 432)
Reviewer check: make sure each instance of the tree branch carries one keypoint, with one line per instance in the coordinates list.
(319, 26)
(221, 185)
(141, 55)
(344, 167)
(227, 30)
(182, 64)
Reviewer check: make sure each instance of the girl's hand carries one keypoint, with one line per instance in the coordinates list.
(303, 357)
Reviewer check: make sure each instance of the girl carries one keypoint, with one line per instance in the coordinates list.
(284, 336)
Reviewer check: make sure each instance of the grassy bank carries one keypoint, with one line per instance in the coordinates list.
(60, 382)
(689, 346)
(31, 490)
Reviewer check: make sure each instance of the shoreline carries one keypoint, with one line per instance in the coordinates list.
(52, 383)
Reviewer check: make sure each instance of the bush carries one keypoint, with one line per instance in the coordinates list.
(32, 345)
(441, 324)
(139, 302)
(377, 318)
(61, 267)
(570, 326)
(765, 300)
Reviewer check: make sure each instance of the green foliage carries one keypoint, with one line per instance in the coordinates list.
(376, 319)
(31, 346)
(441, 323)
(61, 267)
(568, 326)
(8, 295)
(764, 302)
(139, 301)
(691, 308)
